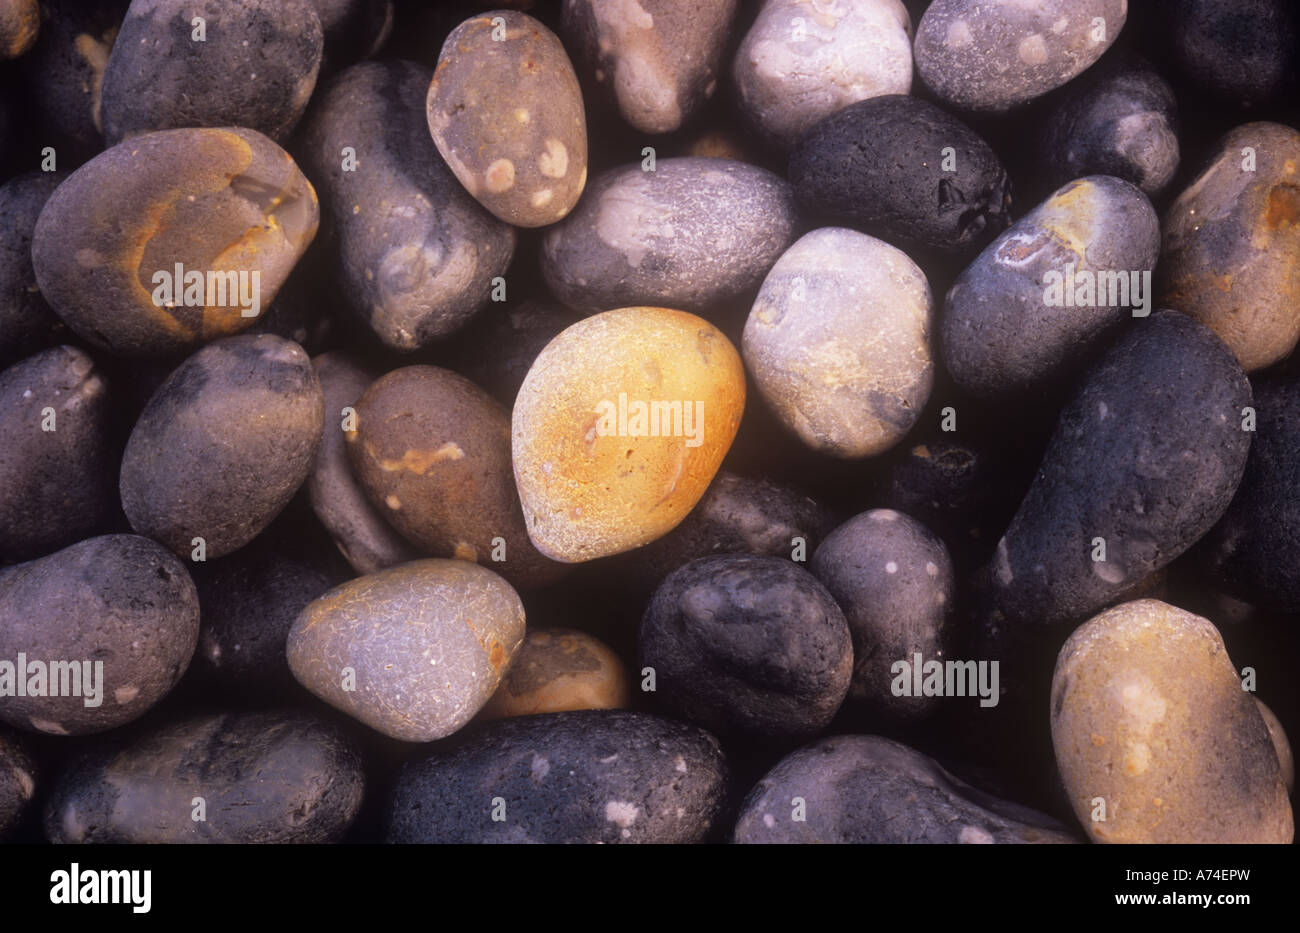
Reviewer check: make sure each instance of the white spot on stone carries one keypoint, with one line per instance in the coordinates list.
(539, 769)
(500, 176)
(959, 34)
(681, 764)
(768, 820)
(932, 569)
(127, 694)
(1032, 50)
(973, 835)
(554, 162)
(891, 567)
(620, 813)
(542, 198)
(393, 502)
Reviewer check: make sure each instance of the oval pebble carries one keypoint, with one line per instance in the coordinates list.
(747, 646)
(255, 66)
(119, 601)
(1231, 240)
(838, 342)
(602, 460)
(522, 154)
(60, 453)
(894, 581)
(558, 670)
(905, 170)
(691, 234)
(173, 239)
(1006, 327)
(1146, 458)
(416, 254)
(1148, 714)
(801, 63)
(432, 451)
(414, 651)
(866, 789)
(182, 476)
(263, 777)
(589, 776)
(993, 55)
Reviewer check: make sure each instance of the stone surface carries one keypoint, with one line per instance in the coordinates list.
(1149, 715)
(579, 777)
(558, 670)
(521, 154)
(416, 254)
(20, 21)
(263, 777)
(1241, 52)
(1232, 244)
(866, 789)
(414, 651)
(182, 477)
(693, 233)
(26, 322)
(747, 646)
(595, 479)
(1277, 735)
(117, 600)
(17, 780)
(224, 201)
(838, 342)
(894, 581)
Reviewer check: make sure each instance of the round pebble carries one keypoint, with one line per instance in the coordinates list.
(558, 670)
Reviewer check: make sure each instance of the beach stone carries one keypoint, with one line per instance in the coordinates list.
(414, 651)
(1148, 714)
(255, 67)
(59, 456)
(747, 646)
(17, 780)
(656, 60)
(416, 254)
(222, 445)
(692, 234)
(595, 479)
(558, 670)
(521, 152)
(867, 789)
(801, 62)
(1232, 241)
(1146, 457)
(992, 56)
(1121, 119)
(117, 600)
(432, 451)
(590, 776)
(838, 342)
(360, 531)
(223, 201)
(1004, 333)
(894, 581)
(26, 322)
(1240, 52)
(263, 777)
(904, 170)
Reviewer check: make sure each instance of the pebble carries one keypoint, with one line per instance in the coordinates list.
(522, 154)
(416, 255)
(1240, 54)
(432, 451)
(591, 776)
(1232, 239)
(598, 469)
(894, 580)
(360, 531)
(866, 789)
(255, 66)
(17, 781)
(1148, 715)
(801, 62)
(256, 778)
(838, 342)
(747, 646)
(658, 61)
(992, 56)
(182, 477)
(1006, 328)
(905, 170)
(116, 600)
(1120, 118)
(1145, 457)
(558, 670)
(414, 651)
(26, 322)
(223, 201)
(60, 455)
(692, 234)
